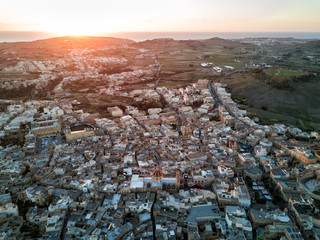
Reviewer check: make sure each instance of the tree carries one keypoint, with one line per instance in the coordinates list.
(34, 231)
(27, 169)
(163, 101)
(261, 200)
(174, 126)
(256, 195)
(248, 181)
(24, 207)
(48, 200)
(276, 199)
(63, 135)
(31, 228)
(266, 183)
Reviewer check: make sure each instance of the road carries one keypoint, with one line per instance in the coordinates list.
(158, 71)
(155, 88)
(215, 95)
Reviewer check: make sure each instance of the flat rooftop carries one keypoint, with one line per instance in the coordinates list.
(202, 213)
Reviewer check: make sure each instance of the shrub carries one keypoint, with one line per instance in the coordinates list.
(261, 200)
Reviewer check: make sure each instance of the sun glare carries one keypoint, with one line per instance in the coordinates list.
(75, 29)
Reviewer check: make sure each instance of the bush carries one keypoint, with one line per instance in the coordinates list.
(144, 106)
(163, 101)
(261, 200)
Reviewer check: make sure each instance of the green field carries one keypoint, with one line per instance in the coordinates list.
(281, 72)
(296, 106)
(170, 84)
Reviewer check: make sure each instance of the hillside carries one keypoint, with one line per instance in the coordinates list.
(297, 103)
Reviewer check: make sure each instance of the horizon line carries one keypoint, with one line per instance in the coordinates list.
(27, 36)
(300, 31)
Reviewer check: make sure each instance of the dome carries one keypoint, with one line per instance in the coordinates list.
(157, 173)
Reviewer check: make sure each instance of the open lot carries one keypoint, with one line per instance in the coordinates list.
(46, 142)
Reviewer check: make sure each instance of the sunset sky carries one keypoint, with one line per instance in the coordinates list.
(94, 17)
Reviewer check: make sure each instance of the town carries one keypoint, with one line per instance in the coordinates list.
(196, 168)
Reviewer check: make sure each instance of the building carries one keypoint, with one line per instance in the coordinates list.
(160, 182)
(236, 218)
(254, 173)
(46, 127)
(10, 209)
(202, 213)
(115, 111)
(262, 218)
(281, 231)
(78, 132)
(242, 193)
(225, 171)
(154, 111)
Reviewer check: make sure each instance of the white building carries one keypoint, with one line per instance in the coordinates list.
(225, 171)
(154, 111)
(9, 208)
(132, 110)
(115, 111)
(260, 151)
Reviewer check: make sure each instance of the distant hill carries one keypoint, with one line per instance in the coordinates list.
(171, 44)
(85, 42)
(71, 42)
(53, 48)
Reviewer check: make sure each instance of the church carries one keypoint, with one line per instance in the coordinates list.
(157, 181)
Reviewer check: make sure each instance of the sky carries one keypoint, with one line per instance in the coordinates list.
(94, 17)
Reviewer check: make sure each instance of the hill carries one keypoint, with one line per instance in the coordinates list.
(53, 48)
